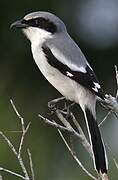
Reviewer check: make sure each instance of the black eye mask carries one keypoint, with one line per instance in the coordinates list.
(41, 23)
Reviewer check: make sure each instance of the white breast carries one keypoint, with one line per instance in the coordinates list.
(62, 83)
(67, 87)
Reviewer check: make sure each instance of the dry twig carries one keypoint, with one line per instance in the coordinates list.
(31, 164)
(17, 153)
(75, 157)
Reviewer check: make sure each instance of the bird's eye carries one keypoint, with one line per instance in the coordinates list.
(42, 23)
(36, 22)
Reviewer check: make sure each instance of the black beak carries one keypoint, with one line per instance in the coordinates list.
(19, 24)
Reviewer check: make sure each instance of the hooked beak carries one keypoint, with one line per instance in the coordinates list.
(19, 24)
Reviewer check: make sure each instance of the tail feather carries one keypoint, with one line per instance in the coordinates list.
(100, 160)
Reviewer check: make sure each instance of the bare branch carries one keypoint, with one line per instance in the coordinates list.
(31, 164)
(75, 157)
(22, 139)
(16, 154)
(11, 172)
(114, 160)
(17, 113)
(63, 120)
(55, 101)
(24, 131)
(9, 143)
(84, 140)
(67, 124)
(54, 124)
(105, 118)
(69, 129)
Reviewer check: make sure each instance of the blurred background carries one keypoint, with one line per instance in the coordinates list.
(94, 26)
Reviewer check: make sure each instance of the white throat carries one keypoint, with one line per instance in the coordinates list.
(37, 36)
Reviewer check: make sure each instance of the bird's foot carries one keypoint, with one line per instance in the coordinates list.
(67, 109)
(53, 105)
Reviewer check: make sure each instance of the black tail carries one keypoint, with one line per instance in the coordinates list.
(96, 143)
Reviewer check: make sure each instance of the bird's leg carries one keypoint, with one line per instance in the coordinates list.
(52, 104)
(67, 109)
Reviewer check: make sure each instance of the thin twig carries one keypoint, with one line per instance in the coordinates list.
(21, 163)
(75, 157)
(54, 124)
(11, 172)
(114, 160)
(69, 129)
(84, 140)
(63, 128)
(66, 123)
(18, 155)
(22, 139)
(9, 143)
(31, 164)
(22, 125)
(62, 119)
(101, 123)
(17, 113)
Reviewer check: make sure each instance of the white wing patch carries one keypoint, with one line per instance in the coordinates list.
(95, 89)
(97, 86)
(69, 74)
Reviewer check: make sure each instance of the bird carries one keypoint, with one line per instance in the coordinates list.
(63, 64)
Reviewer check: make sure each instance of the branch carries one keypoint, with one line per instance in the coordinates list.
(114, 160)
(84, 140)
(105, 118)
(75, 157)
(22, 139)
(31, 164)
(18, 115)
(21, 163)
(17, 153)
(68, 128)
(11, 172)
(54, 124)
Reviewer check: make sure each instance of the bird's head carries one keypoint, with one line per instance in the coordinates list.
(40, 26)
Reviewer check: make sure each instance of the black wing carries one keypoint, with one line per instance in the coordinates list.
(87, 79)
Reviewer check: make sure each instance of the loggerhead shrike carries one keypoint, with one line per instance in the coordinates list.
(64, 65)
